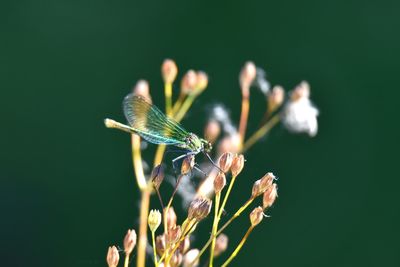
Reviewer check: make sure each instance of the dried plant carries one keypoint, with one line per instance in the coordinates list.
(173, 246)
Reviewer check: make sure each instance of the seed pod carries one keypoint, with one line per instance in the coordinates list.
(256, 216)
(247, 76)
(173, 234)
(225, 161)
(176, 259)
(189, 82)
(170, 217)
(129, 241)
(142, 88)
(221, 244)
(202, 81)
(112, 256)
(154, 220)
(157, 176)
(199, 208)
(219, 182)
(261, 185)
(275, 98)
(270, 195)
(187, 165)
(169, 70)
(160, 244)
(237, 165)
(212, 131)
(190, 256)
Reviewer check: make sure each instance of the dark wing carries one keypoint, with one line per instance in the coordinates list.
(152, 124)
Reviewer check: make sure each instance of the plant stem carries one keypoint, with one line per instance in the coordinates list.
(137, 162)
(239, 247)
(185, 107)
(178, 104)
(168, 98)
(261, 132)
(226, 196)
(153, 239)
(126, 262)
(214, 228)
(244, 115)
(142, 240)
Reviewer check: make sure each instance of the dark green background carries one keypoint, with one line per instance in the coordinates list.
(67, 188)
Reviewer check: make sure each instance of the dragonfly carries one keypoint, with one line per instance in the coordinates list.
(154, 126)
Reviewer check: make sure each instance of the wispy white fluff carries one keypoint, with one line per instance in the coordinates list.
(261, 81)
(220, 114)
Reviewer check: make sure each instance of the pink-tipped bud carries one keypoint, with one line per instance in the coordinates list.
(231, 143)
(212, 131)
(202, 81)
(302, 90)
(219, 182)
(184, 245)
(154, 220)
(270, 195)
(261, 185)
(173, 234)
(221, 244)
(199, 208)
(130, 241)
(157, 176)
(170, 217)
(190, 258)
(176, 259)
(112, 256)
(237, 165)
(275, 98)
(160, 244)
(256, 216)
(247, 76)
(189, 82)
(225, 161)
(142, 88)
(187, 165)
(169, 70)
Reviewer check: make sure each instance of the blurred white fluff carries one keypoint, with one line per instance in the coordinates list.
(261, 81)
(220, 114)
(299, 114)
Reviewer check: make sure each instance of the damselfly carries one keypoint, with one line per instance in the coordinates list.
(155, 127)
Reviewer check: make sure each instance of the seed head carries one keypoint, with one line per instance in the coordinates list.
(237, 164)
(187, 165)
(154, 220)
(221, 244)
(169, 70)
(225, 161)
(129, 241)
(190, 256)
(173, 234)
(142, 88)
(202, 81)
(170, 217)
(275, 98)
(212, 131)
(219, 182)
(157, 176)
(199, 208)
(160, 244)
(112, 256)
(261, 185)
(247, 76)
(189, 82)
(270, 195)
(256, 216)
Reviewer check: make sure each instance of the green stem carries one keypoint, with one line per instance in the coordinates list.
(226, 196)
(239, 247)
(154, 248)
(214, 227)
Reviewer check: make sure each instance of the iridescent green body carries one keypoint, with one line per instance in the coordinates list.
(155, 127)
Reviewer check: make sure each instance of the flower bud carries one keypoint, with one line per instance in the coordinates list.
(256, 216)
(173, 234)
(270, 196)
(225, 161)
(275, 98)
(221, 244)
(237, 165)
(129, 241)
(247, 76)
(202, 81)
(199, 208)
(170, 217)
(190, 257)
(112, 256)
(176, 259)
(187, 164)
(230, 143)
(219, 182)
(169, 70)
(212, 131)
(189, 82)
(154, 220)
(142, 88)
(302, 90)
(160, 244)
(157, 176)
(261, 185)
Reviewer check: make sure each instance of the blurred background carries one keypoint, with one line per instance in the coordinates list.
(67, 186)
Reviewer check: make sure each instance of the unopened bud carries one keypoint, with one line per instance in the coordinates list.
(212, 131)
(221, 244)
(142, 88)
(190, 257)
(129, 241)
(157, 176)
(184, 245)
(160, 244)
(256, 216)
(219, 182)
(275, 98)
(176, 259)
(170, 217)
(302, 90)
(199, 208)
(230, 143)
(189, 82)
(270, 196)
(261, 185)
(202, 81)
(225, 161)
(154, 220)
(237, 165)
(112, 256)
(173, 234)
(169, 70)
(187, 164)
(247, 76)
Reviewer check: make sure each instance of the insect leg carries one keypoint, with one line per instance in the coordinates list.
(212, 162)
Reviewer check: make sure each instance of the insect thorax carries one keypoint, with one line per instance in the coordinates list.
(193, 143)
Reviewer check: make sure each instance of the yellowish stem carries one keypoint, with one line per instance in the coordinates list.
(239, 247)
(153, 239)
(261, 132)
(142, 241)
(214, 228)
(178, 104)
(168, 98)
(244, 115)
(185, 107)
(228, 192)
(137, 162)
(126, 262)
